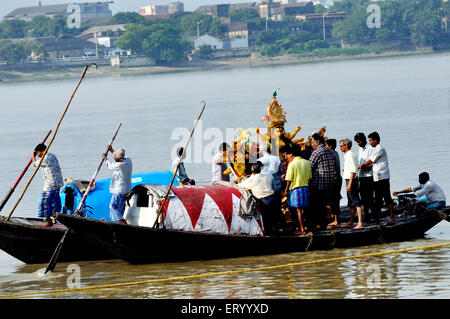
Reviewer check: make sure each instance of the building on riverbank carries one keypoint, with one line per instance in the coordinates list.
(161, 10)
(89, 11)
(70, 46)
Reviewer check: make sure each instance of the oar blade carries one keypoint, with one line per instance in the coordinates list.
(52, 263)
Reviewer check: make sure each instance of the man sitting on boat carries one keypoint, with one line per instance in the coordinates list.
(427, 192)
(182, 176)
(120, 183)
(50, 202)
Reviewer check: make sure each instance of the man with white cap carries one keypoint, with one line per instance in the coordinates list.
(120, 183)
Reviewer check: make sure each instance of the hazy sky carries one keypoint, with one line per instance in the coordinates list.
(6, 6)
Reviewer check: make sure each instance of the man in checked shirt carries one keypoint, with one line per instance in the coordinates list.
(322, 184)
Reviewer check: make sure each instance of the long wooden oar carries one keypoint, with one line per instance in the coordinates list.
(176, 170)
(11, 190)
(80, 206)
(52, 263)
(49, 144)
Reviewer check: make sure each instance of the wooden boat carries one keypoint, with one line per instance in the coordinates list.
(143, 244)
(26, 240)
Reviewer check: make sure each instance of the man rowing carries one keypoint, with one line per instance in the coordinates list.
(120, 183)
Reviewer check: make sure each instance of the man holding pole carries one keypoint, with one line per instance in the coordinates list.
(120, 183)
(50, 202)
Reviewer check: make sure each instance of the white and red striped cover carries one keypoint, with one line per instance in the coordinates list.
(208, 208)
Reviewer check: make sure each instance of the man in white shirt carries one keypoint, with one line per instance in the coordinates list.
(380, 165)
(365, 175)
(261, 187)
(427, 191)
(350, 176)
(219, 164)
(271, 165)
(120, 183)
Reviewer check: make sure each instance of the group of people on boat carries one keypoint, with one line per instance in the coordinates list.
(301, 185)
(309, 183)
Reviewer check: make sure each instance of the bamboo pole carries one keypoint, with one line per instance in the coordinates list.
(11, 190)
(176, 170)
(49, 144)
(80, 206)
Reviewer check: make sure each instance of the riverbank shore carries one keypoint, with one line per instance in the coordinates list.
(254, 60)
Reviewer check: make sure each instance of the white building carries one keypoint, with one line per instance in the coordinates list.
(217, 44)
(154, 10)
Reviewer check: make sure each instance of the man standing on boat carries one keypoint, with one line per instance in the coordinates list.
(120, 183)
(351, 181)
(271, 165)
(297, 179)
(50, 202)
(427, 192)
(378, 159)
(335, 203)
(219, 164)
(365, 175)
(323, 182)
(182, 177)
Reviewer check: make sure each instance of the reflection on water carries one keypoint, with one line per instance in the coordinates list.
(405, 99)
(416, 274)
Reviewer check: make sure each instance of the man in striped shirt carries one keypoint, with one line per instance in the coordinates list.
(50, 202)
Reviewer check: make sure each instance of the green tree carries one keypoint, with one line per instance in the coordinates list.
(160, 41)
(11, 52)
(270, 36)
(245, 15)
(302, 36)
(42, 26)
(126, 17)
(348, 6)
(353, 27)
(33, 49)
(269, 50)
(318, 8)
(165, 44)
(315, 44)
(425, 28)
(133, 38)
(12, 29)
(216, 28)
(205, 51)
(206, 25)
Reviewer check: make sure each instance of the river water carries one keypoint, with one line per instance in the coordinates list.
(405, 99)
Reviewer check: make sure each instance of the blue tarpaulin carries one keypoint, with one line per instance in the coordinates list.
(97, 201)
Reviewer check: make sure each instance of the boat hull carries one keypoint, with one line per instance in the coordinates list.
(26, 240)
(138, 245)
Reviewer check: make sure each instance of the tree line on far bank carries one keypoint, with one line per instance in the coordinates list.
(418, 22)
